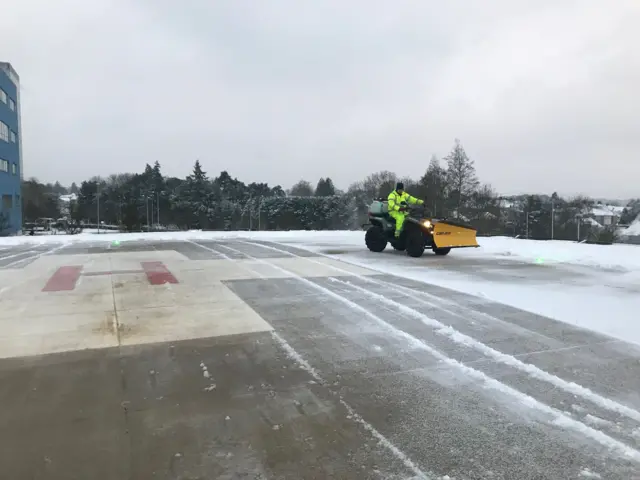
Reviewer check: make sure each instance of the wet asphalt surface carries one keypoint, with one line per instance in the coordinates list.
(360, 379)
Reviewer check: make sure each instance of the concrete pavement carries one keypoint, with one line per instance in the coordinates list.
(202, 360)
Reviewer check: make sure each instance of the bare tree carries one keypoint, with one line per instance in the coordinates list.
(302, 189)
(379, 184)
(462, 180)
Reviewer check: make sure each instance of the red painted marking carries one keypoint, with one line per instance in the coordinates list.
(157, 273)
(64, 279)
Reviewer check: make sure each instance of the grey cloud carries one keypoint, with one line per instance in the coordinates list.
(543, 94)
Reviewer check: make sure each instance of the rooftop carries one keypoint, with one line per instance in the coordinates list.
(13, 75)
(606, 211)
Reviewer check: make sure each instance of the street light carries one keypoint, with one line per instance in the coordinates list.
(527, 214)
(579, 221)
(98, 203)
(552, 217)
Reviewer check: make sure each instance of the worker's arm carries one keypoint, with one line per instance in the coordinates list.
(414, 200)
(392, 203)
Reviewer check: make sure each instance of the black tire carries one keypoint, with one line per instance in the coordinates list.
(375, 239)
(415, 243)
(398, 245)
(441, 251)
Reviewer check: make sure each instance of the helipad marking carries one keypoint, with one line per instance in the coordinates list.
(158, 273)
(66, 278)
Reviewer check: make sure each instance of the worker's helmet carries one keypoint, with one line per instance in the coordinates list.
(399, 186)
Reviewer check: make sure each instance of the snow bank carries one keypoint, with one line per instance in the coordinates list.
(634, 228)
(618, 257)
(106, 236)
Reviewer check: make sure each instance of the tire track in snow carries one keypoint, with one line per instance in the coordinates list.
(466, 340)
(31, 257)
(295, 356)
(557, 417)
(509, 360)
(615, 429)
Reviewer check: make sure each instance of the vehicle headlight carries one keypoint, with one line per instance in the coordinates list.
(427, 223)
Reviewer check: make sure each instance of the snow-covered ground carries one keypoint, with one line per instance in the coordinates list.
(593, 286)
(621, 257)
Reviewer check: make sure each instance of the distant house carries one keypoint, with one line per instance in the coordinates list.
(65, 203)
(606, 215)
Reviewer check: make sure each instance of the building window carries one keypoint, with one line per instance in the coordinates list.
(12, 136)
(4, 166)
(14, 169)
(12, 104)
(3, 96)
(4, 132)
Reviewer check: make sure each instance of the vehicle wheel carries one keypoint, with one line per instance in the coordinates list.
(415, 243)
(441, 251)
(375, 239)
(398, 245)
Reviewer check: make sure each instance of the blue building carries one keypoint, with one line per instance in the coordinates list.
(10, 151)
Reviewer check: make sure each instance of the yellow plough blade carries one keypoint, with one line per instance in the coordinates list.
(449, 235)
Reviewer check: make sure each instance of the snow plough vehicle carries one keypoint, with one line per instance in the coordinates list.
(418, 233)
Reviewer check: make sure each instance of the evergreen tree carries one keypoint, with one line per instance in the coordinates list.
(156, 178)
(198, 191)
(325, 188)
(631, 212)
(432, 187)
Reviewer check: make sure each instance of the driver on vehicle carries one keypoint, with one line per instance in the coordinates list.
(397, 205)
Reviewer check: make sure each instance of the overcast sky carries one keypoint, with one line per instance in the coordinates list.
(544, 94)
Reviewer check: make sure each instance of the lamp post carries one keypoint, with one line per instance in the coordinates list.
(146, 203)
(98, 204)
(552, 217)
(578, 221)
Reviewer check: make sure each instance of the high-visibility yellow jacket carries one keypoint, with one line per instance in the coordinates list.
(395, 201)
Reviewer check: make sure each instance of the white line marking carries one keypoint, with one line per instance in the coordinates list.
(458, 337)
(295, 356)
(35, 257)
(559, 418)
(19, 254)
(225, 257)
